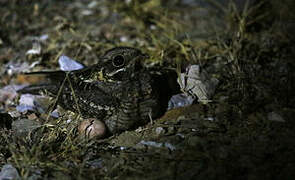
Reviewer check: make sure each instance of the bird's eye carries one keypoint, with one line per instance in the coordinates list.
(118, 61)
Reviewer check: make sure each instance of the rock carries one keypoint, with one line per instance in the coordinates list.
(209, 119)
(15, 67)
(42, 103)
(68, 64)
(23, 126)
(36, 48)
(37, 103)
(55, 113)
(181, 118)
(180, 100)
(171, 130)
(196, 82)
(14, 114)
(160, 131)
(8, 93)
(9, 172)
(26, 102)
(32, 116)
(158, 144)
(273, 116)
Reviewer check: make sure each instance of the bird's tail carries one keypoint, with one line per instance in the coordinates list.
(51, 75)
(38, 88)
(52, 82)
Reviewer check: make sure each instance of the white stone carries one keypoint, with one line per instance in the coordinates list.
(273, 116)
(197, 82)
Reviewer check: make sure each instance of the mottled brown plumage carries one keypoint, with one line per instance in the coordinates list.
(118, 90)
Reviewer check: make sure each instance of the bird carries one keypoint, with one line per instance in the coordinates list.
(119, 90)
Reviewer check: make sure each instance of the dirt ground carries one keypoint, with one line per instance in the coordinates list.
(247, 131)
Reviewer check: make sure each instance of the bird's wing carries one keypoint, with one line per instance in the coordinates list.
(91, 99)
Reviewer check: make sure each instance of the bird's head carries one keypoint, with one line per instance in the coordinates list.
(121, 62)
(117, 64)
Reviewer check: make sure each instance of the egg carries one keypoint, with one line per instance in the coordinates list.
(91, 128)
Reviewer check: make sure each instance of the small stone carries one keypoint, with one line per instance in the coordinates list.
(22, 127)
(181, 118)
(42, 104)
(180, 100)
(123, 39)
(32, 116)
(55, 113)
(209, 119)
(91, 128)
(160, 131)
(171, 130)
(9, 172)
(68, 64)
(26, 103)
(14, 114)
(158, 144)
(139, 129)
(86, 12)
(92, 4)
(8, 93)
(198, 82)
(36, 49)
(122, 148)
(273, 116)
(182, 136)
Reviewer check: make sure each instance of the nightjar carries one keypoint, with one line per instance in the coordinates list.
(118, 90)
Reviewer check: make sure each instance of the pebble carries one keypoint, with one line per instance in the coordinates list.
(181, 118)
(180, 100)
(160, 131)
(68, 64)
(32, 116)
(9, 172)
(273, 116)
(22, 127)
(158, 144)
